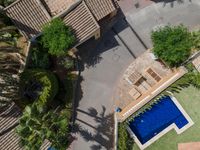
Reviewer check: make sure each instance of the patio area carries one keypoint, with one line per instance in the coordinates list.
(144, 79)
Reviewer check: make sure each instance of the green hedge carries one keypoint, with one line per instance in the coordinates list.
(125, 142)
(45, 79)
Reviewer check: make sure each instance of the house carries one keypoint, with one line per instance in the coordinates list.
(83, 16)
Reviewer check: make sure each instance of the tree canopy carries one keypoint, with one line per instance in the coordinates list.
(57, 37)
(172, 44)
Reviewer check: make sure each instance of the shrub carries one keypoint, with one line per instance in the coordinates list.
(125, 142)
(57, 37)
(196, 39)
(38, 85)
(39, 59)
(172, 44)
(66, 62)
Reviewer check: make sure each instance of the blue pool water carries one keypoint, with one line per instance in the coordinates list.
(153, 121)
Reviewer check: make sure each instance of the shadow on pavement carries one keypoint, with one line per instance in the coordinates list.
(171, 2)
(103, 135)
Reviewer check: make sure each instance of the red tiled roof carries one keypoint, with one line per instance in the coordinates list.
(28, 15)
(81, 21)
(55, 7)
(100, 8)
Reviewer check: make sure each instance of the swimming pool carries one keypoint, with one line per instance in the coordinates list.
(155, 120)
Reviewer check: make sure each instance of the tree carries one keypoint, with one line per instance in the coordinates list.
(57, 37)
(37, 124)
(172, 44)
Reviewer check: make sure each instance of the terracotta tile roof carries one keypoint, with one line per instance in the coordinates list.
(55, 7)
(81, 21)
(28, 16)
(100, 8)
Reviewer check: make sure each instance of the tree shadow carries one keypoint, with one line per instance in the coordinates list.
(103, 134)
(78, 94)
(170, 2)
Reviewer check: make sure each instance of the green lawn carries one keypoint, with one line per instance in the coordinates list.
(189, 98)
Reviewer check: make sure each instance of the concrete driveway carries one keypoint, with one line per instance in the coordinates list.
(105, 61)
(105, 64)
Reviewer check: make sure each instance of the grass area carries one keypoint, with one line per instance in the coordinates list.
(189, 98)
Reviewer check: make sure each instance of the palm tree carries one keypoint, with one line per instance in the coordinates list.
(37, 124)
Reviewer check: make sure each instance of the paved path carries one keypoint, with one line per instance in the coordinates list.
(107, 60)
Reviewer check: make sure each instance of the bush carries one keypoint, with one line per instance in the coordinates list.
(66, 62)
(196, 39)
(172, 44)
(57, 37)
(39, 59)
(38, 85)
(125, 142)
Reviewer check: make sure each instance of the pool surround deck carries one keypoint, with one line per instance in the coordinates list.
(169, 128)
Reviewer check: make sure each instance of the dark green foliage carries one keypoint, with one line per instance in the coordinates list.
(66, 62)
(8, 33)
(190, 67)
(36, 125)
(172, 44)
(6, 2)
(39, 58)
(4, 20)
(125, 142)
(65, 94)
(196, 39)
(38, 85)
(57, 37)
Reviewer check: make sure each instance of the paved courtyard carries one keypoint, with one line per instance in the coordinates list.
(108, 58)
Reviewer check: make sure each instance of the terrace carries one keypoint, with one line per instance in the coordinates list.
(144, 79)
